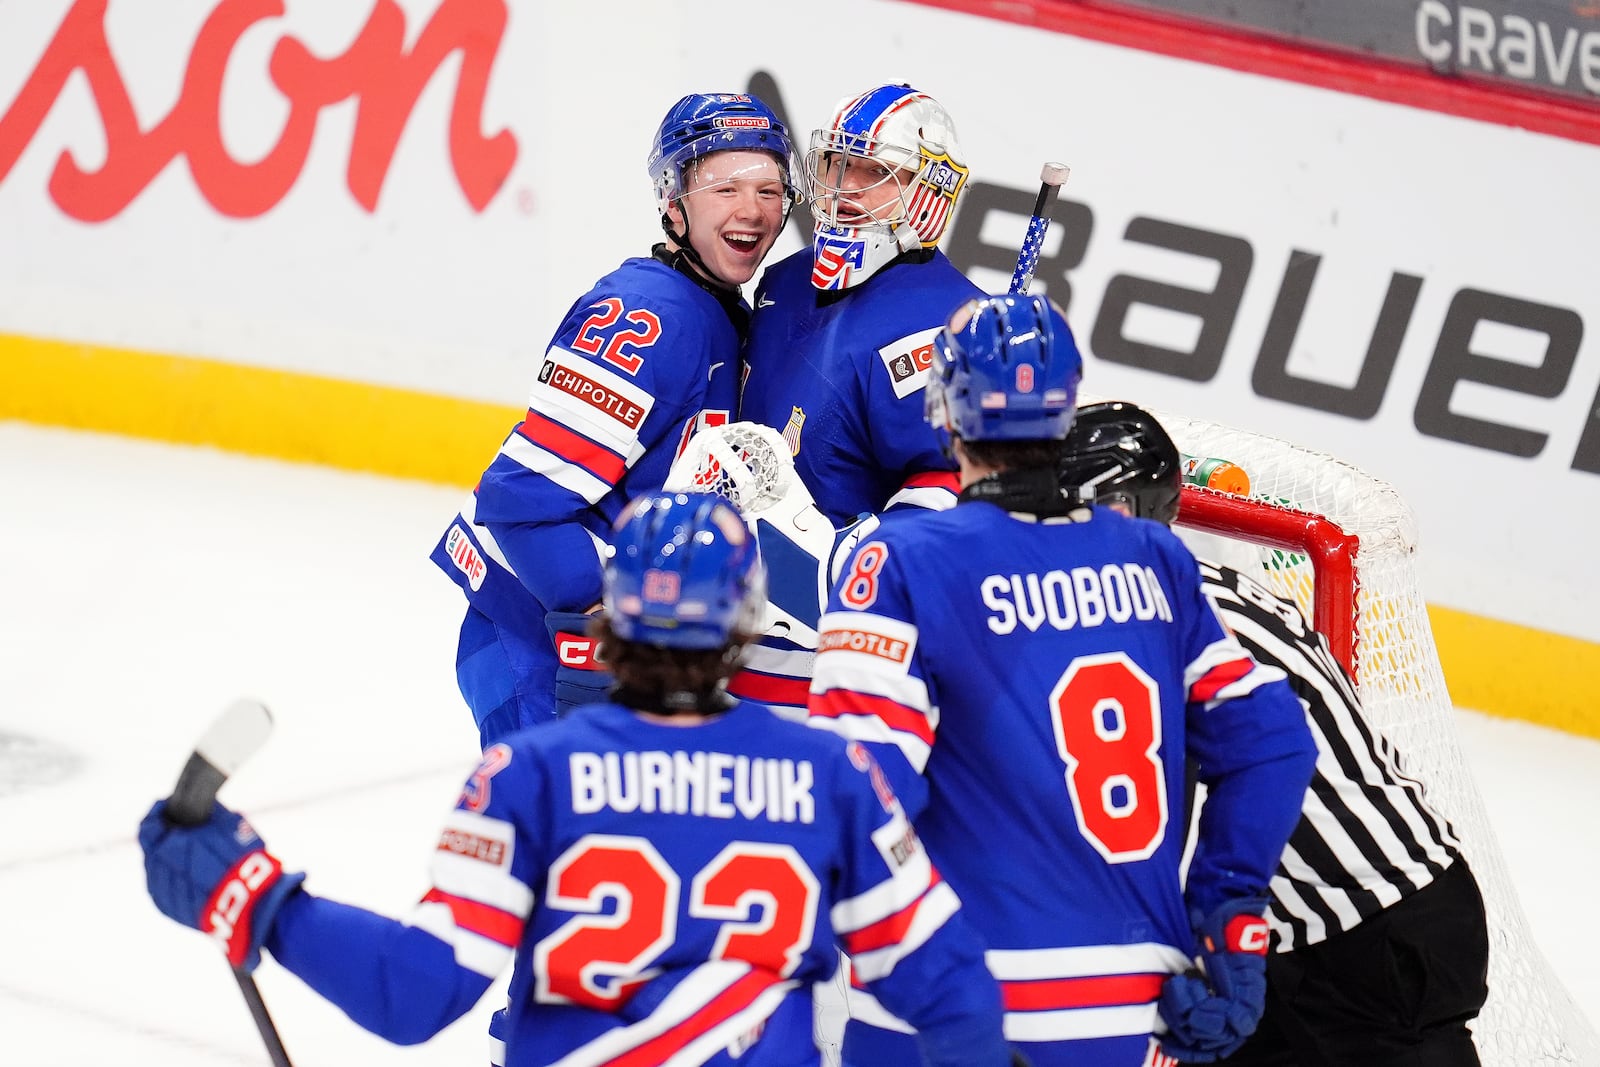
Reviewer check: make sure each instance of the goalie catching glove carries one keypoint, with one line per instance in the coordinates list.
(217, 878)
(1210, 1012)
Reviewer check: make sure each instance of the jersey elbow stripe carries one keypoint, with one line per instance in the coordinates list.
(901, 892)
(1077, 1024)
(888, 930)
(480, 955)
(928, 499)
(1206, 688)
(947, 480)
(931, 912)
(573, 447)
(770, 689)
(499, 926)
(1099, 991)
(873, 729)
(554, 469)
(931, 490)
(899, 718)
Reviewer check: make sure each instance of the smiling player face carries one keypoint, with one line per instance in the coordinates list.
(734, 203)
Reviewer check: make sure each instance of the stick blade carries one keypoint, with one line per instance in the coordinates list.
(232, 738)
(235, 735)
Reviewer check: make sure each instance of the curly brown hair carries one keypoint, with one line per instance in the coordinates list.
(645, 670)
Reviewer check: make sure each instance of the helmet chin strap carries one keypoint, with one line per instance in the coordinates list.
(686, 249)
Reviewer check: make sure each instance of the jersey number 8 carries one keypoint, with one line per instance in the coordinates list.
(1107, 720)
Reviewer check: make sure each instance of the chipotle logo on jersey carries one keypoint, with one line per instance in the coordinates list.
(873, 644)
(593, 393)
(377, 70)
(473, 846)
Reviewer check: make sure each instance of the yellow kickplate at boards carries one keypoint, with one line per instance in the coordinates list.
(253, 410)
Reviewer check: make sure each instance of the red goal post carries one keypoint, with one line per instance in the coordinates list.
(1330, 552)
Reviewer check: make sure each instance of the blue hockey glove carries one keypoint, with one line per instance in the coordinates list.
(580, 676)
(1210, 1012)
(217, 878)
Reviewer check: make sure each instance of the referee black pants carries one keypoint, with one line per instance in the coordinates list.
(1396, 991)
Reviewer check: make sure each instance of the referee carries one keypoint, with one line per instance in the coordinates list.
(1380, 947)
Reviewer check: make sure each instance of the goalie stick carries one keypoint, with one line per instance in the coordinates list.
(1050, 182)
(232, 738)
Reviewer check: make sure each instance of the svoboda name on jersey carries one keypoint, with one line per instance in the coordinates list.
(1080, 597)
(717, 785)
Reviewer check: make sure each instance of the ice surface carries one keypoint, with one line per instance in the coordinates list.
(143, 587)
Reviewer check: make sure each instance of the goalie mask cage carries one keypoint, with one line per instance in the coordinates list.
(1342, 545)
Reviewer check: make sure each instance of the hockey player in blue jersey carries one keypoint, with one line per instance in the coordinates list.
(639, 362)
(671, 871)
(842, 335)
(1033, 675)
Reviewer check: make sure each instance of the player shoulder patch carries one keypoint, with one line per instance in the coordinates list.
(463, 552)
(477, 838)
(581, 393)
(908, 360)
(883, 640)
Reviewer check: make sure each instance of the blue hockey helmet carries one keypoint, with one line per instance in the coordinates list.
(703, 123)
(1005, 368)
(683, 572)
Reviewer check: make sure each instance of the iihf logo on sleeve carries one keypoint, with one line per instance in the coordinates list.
(464, 554)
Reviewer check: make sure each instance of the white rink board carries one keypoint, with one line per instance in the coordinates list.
(428, 293)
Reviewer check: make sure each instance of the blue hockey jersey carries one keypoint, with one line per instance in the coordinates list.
(842, 377)
(1033, 688)
(667, 892)
(638, 364)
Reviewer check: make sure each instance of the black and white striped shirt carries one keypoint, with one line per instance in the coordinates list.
(1367, 837)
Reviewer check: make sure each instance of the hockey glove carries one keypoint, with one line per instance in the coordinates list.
(580, 677)
(217, 878)
(1210, 1012)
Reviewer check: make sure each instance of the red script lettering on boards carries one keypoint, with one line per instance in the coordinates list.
(376, 69)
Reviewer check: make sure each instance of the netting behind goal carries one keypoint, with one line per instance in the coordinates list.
(1343, 544)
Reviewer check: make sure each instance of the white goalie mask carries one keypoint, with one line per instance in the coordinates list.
(883, 178)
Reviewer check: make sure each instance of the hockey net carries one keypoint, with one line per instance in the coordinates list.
(1342, 544)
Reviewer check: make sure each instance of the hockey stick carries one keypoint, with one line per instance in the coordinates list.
(234, 737)
(1050, 181)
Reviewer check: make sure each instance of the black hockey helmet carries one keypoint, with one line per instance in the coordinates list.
(1119, 453)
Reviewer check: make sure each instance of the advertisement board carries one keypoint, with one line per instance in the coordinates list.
(343, 231)
(1548, 46)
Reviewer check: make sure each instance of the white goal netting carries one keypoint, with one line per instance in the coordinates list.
(1376, 610)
